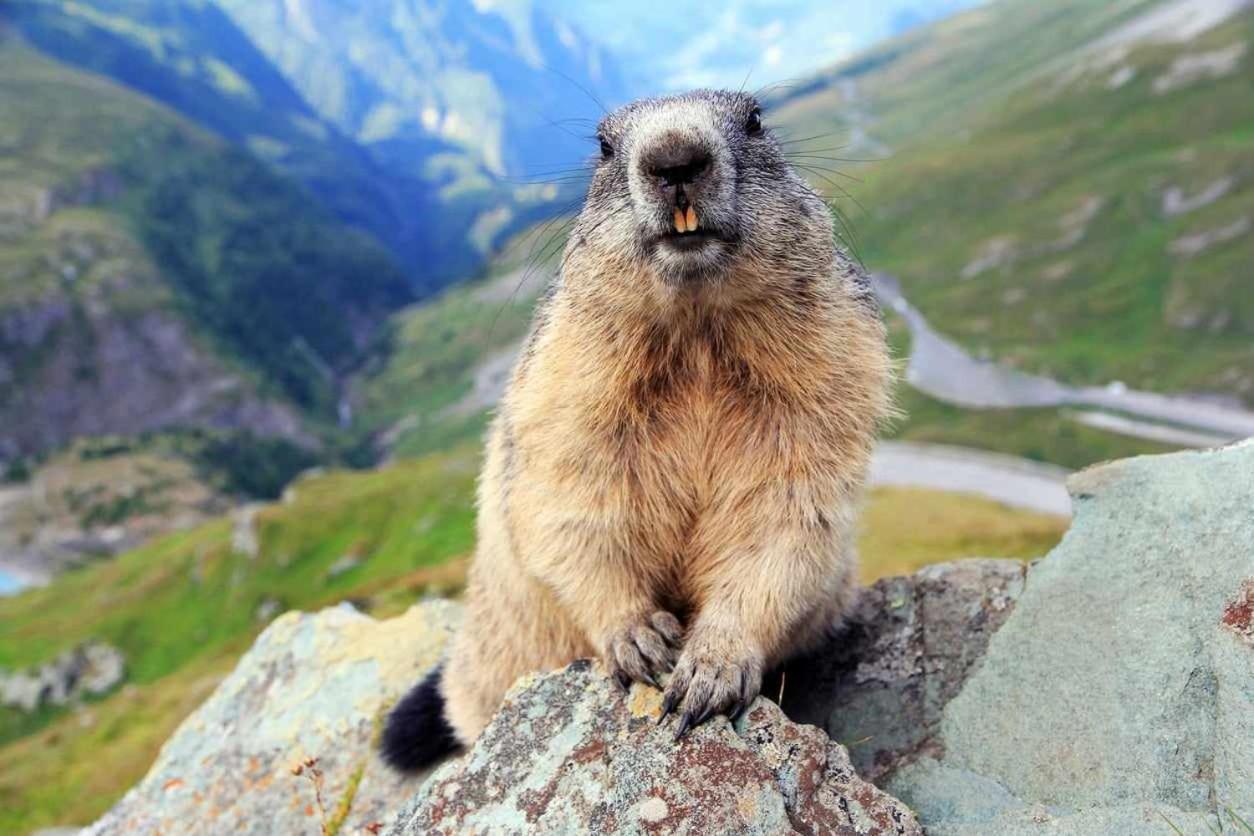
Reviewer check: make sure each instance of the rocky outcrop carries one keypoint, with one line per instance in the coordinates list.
(91, 670)
(568, 753)
(1118, 694)
(83, 505)
(881, 686)
(1108, 688)
(79, 370)
(285, 744)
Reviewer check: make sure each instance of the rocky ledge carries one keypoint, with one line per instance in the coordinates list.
(568, 753)
(1107, 689)
(91, 670)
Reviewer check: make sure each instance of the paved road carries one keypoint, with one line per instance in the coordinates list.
(1009, 480)
(943, 369)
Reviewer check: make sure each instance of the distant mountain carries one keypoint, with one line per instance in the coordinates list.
(420, 123)
(503, 80)
(152, 276)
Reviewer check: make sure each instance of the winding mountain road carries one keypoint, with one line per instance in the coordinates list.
(941, 368)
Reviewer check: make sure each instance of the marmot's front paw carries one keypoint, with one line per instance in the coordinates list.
(645, 649)
(710, 679)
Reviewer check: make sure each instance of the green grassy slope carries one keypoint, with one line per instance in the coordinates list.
(191, 57)
(1024, 197)
(192, 592)
(187, 605)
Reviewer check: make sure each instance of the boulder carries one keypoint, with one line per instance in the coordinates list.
(879, 687)
(1118, 696)
(569, 753)
(286, 742)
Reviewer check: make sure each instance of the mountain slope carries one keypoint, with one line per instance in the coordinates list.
(1034, 209)
(192, 58)
(398, 74)
(419, 123)
(151, 276)
(1068, 187)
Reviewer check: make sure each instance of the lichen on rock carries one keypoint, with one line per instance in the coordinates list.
(568, 754)
(311, 687)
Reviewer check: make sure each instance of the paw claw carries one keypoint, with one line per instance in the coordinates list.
(644, 648)
(668, 705)
(685, 723)
(713, 677)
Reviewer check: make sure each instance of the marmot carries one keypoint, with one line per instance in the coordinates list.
(671, 478)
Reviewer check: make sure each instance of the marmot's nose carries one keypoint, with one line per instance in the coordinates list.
(678, 166)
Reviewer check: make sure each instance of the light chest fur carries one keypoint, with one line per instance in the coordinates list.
(673, 428)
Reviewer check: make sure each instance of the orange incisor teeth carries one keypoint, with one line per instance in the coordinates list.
(691, 220)
(680, 222)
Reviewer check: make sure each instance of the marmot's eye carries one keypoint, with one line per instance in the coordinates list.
(607, 150)
(754, 123)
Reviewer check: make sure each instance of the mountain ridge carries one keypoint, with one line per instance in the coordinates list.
(118, 311)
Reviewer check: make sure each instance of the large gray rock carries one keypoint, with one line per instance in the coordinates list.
(313, 686)
(1117, 696)
(568, 753)
(880, 687)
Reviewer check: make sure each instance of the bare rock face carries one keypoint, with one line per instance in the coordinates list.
(568, 753)
(286, 742)
(90, 670)
(880, 687)
(93, 371)
(1118, 696)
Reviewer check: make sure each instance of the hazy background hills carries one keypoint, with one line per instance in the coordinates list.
(751, 43)
(243, 240)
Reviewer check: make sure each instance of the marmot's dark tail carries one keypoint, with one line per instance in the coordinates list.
(416, 734)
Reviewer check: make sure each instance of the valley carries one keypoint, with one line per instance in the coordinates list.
(265, 267)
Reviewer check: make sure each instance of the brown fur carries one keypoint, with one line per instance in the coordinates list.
(672, 476)
(693, 456)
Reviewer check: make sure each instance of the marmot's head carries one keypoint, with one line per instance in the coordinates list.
(694, 191)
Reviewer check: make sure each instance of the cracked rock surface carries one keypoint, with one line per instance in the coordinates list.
(568, 754)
